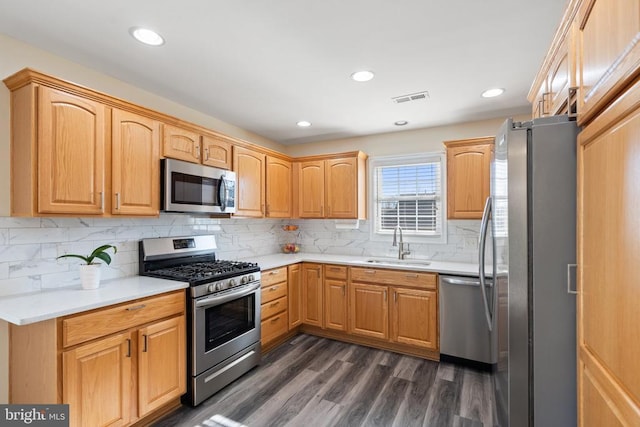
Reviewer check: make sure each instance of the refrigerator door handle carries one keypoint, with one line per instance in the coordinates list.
(569, 290)
(482, 243)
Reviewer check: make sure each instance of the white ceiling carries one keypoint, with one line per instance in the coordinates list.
(264, 65)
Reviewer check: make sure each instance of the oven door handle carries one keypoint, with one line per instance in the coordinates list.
(217, 300)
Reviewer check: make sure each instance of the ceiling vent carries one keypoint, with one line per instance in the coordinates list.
(418, 96)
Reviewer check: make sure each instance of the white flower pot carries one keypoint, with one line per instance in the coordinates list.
(90, 276)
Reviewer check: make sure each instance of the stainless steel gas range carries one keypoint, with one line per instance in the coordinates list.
(223, 309)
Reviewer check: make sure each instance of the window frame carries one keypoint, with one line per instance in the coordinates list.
(406, 160)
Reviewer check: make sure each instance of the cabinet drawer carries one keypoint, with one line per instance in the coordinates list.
(394, 277)
(85, 327)
(273, 307)
(273, 327)
(335, 272)
(276, 275)
(273, 292)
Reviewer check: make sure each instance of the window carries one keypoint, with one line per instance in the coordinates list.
(407, 191)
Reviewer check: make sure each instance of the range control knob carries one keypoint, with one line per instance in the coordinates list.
(210, 288)
(251, 278)
(244, 280)
(219, 286)
(232, 282)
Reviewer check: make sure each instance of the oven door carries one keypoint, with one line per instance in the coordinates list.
(224, 325)
(190, 187)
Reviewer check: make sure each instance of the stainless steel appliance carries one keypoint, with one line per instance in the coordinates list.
(223, 308)
(190, 187)
(464, 334)
(532, 214)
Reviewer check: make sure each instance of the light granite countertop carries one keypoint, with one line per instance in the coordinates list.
(51, 303)
(280, 260)
(48, 304)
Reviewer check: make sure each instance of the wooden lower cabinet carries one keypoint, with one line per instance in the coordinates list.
(335, 304)
(608, 253)
(112, 378)
(414, 317)
(312, 295)
(97, 382)
(295, 295)
(274, 309)
(369, 314)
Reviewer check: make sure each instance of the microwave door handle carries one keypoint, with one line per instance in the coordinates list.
(222, 193)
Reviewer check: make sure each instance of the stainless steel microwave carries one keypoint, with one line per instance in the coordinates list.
(193, 188)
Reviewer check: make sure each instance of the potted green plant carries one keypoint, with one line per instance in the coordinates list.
(90, 270)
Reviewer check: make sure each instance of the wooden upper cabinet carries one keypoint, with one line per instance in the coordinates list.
(562, 78)
(278, 190)
(71, 149)
(249, 166)
(539, 104)
(311, 189)
(191, 146)
(135, 164)
(332, 188)
(468, 170)
(607, 34)
(217, 152)
(181, 144)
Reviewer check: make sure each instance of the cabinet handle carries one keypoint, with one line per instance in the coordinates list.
(197, 150)
(544, 95)
(274, 304)
(275, 319)
(395, 296)
(117, 201)
(128, 347)
(267, 210)
(136, 307)
(334, 268)
(273, 288)
(370, 272)
(274, 272)
(144, 346)
(385, 295)
(101, 200)
(411, 276)
(343, 291)
(318, 273)
(206, 153)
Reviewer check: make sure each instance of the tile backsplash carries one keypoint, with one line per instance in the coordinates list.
(29, 246)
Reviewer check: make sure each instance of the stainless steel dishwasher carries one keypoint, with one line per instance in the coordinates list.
(464, 334)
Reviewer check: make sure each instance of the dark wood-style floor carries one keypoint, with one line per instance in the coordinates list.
(310, 381)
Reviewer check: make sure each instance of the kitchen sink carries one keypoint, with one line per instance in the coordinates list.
(393, 261)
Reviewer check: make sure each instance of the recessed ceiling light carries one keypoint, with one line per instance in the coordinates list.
(362, 76)
(401, 123)
(304, 124)
(146, 36)
(490, 93)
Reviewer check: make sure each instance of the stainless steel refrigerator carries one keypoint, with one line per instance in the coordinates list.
(530, 226)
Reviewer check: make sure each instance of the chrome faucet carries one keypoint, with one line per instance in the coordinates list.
(400, 244)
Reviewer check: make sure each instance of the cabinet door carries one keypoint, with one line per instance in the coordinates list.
(181, 144)
(610, 52)
(312, 294)
(216, 151)
(369, 314)
(341, 188)
(335, 304)
(97, 382)
(468, 169)
(295, 296)
(311, 189)
(135, 164)
(71, 154)
(414, 317)
(161, 363)
(249, 168)
(608, 254)
(561, 78)
(278, 188)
